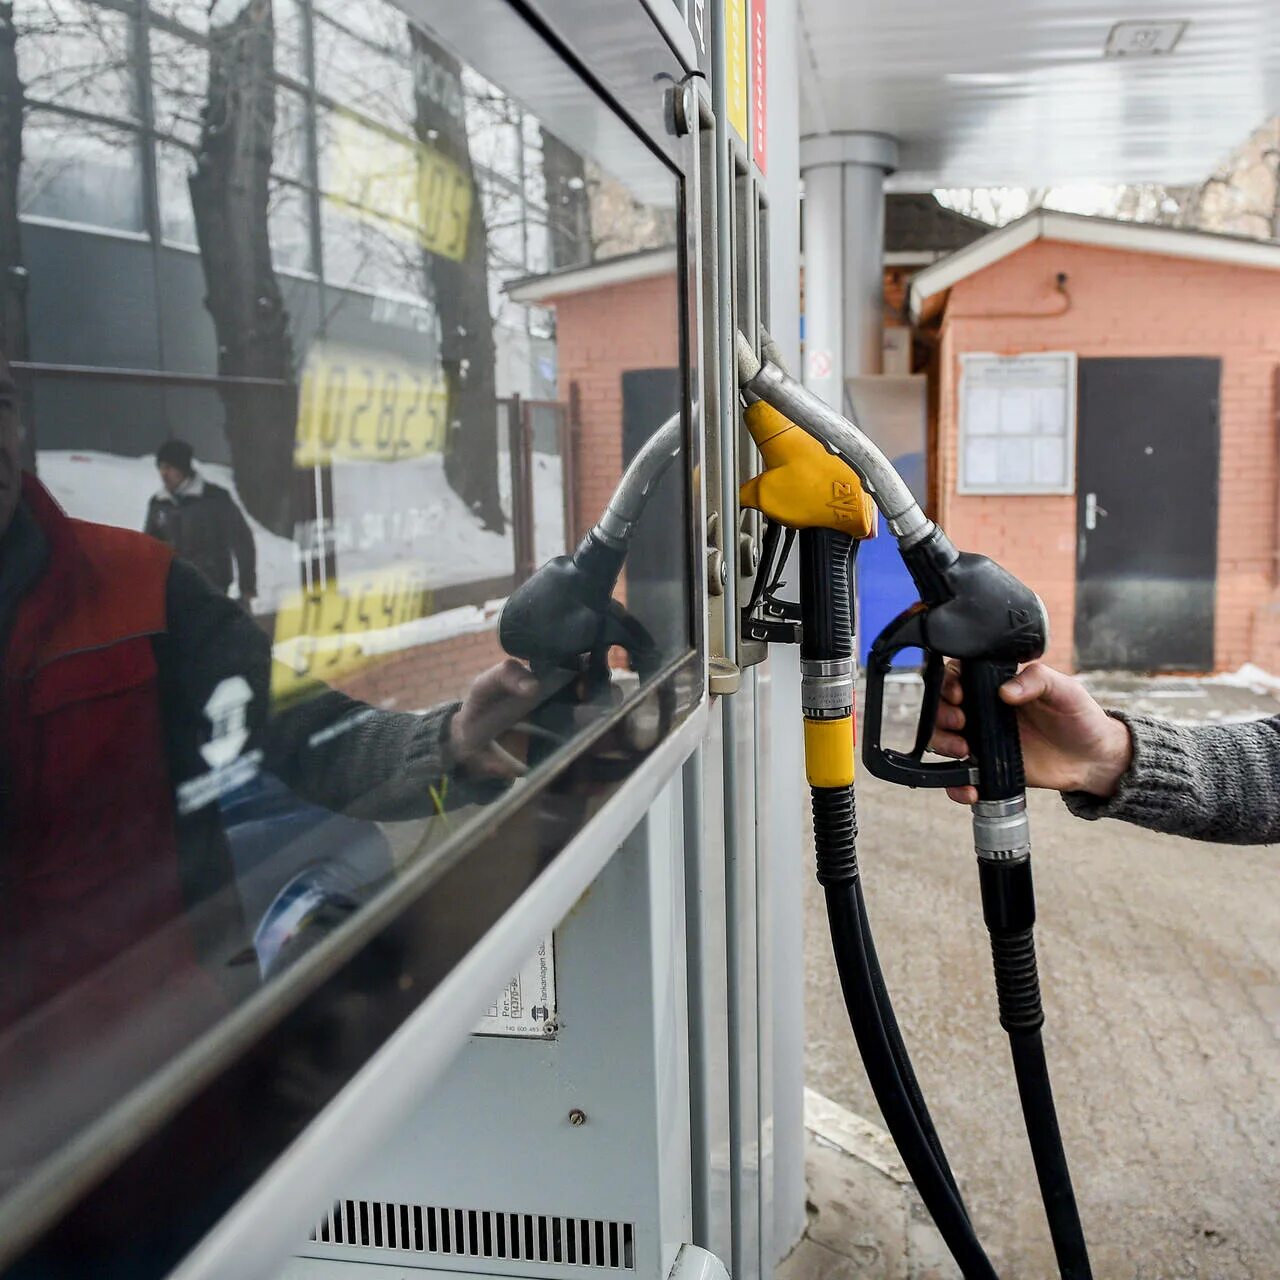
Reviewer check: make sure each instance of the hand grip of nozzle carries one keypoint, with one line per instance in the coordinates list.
(561, 611)
(991, 730)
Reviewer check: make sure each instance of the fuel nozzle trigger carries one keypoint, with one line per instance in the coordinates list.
(765, 617)
(908, 768)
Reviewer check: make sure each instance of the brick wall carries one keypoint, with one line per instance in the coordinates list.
(1129, 304)
(600, 334)
(426, 676)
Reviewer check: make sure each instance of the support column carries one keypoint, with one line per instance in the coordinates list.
(844, 177)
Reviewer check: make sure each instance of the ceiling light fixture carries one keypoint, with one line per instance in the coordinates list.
(1144, 39)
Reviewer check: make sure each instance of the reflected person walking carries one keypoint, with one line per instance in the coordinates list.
(202, 522)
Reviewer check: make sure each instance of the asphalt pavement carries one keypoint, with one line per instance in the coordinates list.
(1159, 961)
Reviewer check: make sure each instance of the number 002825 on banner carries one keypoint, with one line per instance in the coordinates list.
(364, 406)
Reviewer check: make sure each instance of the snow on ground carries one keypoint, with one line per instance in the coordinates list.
(548, 503)
(110, 489)
(385, 514)
(1250, 677)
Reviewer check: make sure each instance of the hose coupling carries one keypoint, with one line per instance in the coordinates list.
(910, 526)
(1001, 832)
(826, 688)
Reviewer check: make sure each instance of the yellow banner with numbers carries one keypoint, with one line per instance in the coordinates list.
(367, 406)
(409, 188)
(735, 57)
(338, 627)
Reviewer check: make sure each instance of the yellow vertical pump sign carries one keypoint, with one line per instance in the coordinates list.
(735, 57)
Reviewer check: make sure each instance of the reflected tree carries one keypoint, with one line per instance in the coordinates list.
(13, 275)
(461, 292)
(1243, 196)
(230, 190)
(568, 204)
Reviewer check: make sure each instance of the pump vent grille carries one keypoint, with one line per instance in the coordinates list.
(479, 1233)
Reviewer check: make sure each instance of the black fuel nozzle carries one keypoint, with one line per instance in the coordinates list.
(563, 621)
(562, 612)
(564, 616)
(976, 609)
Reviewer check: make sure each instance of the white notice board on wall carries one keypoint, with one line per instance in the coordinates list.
(1018, 423)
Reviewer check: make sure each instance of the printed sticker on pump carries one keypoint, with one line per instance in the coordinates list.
(526, 1006)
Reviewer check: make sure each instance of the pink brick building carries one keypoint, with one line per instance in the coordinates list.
(1152, 305)
(594, 349)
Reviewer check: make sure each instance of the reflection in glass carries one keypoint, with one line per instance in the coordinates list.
(319, 462)
(289, 227)
(290, 56)
(174, 166)
(361, 63)
(80, 171)
(368, 255)
(77, 54)
(179, 74)
(289, 137)
(192, 14)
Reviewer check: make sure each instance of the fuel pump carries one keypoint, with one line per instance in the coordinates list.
(804, 488)
(822, 482)
(969, 609)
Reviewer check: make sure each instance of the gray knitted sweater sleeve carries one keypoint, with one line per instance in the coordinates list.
(1209, 782)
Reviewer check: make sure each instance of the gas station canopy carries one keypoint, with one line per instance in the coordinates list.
(1041, 92)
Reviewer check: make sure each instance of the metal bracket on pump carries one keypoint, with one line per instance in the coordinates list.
(732, 248)
(748, 314)
(724, 674)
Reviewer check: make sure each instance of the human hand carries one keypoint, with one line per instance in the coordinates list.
(497, 700)
(1068, 742)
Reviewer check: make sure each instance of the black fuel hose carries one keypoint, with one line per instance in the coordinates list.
(898, 1048)
(825, 577)
(826, 658)
(837, 872)
(1008, 906)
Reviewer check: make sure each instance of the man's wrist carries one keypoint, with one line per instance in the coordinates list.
(1112, 762)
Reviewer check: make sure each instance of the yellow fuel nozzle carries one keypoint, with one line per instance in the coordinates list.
(803, 486)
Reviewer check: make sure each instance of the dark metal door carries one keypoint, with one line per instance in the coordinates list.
(1147, 514)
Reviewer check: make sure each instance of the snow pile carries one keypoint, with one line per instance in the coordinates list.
(1250, 677)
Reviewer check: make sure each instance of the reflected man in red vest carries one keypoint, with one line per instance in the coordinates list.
(127, 682)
